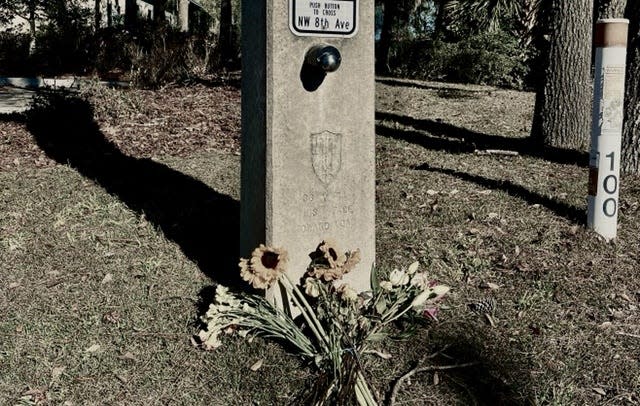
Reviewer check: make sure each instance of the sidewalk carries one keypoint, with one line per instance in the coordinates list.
(16, 93)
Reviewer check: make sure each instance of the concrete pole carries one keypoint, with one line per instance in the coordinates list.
(606, 135)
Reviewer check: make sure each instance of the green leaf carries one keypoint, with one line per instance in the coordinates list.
(375, 281)
(381, 305)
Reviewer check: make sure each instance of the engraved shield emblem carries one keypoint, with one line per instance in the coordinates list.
(326, 155)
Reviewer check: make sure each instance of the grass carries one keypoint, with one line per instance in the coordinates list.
(103, 277)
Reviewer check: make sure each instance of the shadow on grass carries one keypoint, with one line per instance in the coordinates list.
(567, 211)
(448, 137)
(496, 379)
(451, 90)
(203, 222)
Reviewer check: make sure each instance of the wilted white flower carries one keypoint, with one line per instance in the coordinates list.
(209, 339)
(347, 293)
(413, 268)
(398, 277)
(311, 287)
(429, 295)
(386, 285)
(420, 280)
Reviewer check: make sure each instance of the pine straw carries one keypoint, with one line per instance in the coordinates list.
(173, 121)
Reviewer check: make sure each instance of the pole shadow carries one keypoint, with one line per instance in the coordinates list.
(561, 209)
(448, 137)
(203, 222)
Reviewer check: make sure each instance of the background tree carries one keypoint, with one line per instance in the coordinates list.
(631, 132)
(562, 114)
(29, 10)
(396, 15)
(610, 8)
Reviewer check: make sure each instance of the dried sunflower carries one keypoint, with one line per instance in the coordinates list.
(264, 267)
(329, 264)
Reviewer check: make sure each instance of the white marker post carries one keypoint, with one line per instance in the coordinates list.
(606, 134)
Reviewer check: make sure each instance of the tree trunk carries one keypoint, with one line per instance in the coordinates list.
(97, 15)
(225, 43)
(611, 8)
(130, 14)
(562, 116)
(386, 37)
(159, 8)
(631, 131)
(32, 28)
(183, 15)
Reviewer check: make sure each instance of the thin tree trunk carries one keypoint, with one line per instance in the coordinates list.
(183, 15)
(631, 131)
(386, 37)
(130, 14)
(159, 8)
(97, 15)
(32, 29)
(226, 33)
(562, 115)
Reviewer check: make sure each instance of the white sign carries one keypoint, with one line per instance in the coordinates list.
(323, 18)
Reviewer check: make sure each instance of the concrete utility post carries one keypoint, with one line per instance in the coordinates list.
(308, 128)
(606, 135)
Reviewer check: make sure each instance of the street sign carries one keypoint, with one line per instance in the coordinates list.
(323, 18)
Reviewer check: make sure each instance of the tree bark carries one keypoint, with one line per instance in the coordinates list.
(225, 43)
(97, 15)
(183, 15)
(562, 116)
(611, 8)
(386, 37)
(631, 131)
(159, 7)
(32, 27)
(130, 14)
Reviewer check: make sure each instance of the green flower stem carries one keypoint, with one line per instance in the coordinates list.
(307, 312)
(363, 393)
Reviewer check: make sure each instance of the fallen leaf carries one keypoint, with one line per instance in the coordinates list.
(107, 278)
(129, 356)
(605, 325)
(625, 296)
(57, 372)
(490, 319)
(436, 378)
(600, 391)
(431, 192)
(382, 355)
(453, 192)
(493, 215)
(489, 285)
(257, 365)
(93, 348)
(13, 285)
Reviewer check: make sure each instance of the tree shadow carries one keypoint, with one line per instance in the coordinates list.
(203, 222)
(449, 90)
(495, 379)
(561, 209)
(448, 137)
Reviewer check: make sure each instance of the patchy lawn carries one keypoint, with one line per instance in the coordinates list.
(116, 216)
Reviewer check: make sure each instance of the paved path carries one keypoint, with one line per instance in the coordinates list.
(15, 99)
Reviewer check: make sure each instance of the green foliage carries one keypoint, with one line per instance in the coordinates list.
(171, 56)
(491, 58)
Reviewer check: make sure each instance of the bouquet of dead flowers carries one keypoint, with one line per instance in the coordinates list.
(335, 325)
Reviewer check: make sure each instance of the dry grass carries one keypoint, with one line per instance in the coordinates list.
(103, 269)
